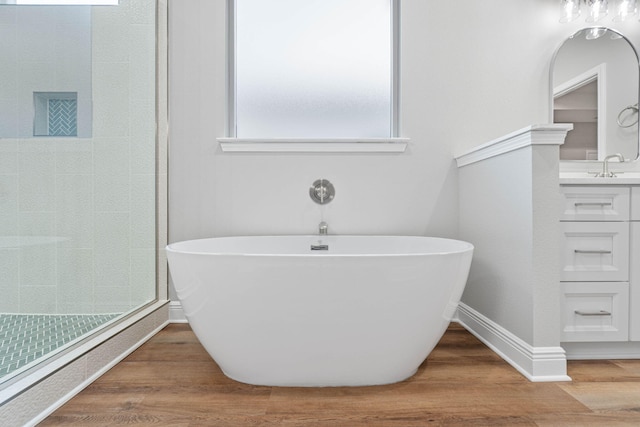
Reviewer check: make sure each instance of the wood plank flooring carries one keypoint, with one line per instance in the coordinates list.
(172, 381)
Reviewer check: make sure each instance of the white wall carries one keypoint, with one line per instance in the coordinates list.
(467, 76)
(509, 210)
(214, 193)
(499, 223)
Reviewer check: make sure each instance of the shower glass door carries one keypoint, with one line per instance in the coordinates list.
(77, 173)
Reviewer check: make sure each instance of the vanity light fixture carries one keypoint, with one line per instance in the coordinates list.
(596, 10)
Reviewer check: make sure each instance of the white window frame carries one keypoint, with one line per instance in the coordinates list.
(394, 143)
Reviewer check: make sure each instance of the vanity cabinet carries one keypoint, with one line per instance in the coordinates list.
(598, 242)
(634, 291)
(591, 203)
(634, 272)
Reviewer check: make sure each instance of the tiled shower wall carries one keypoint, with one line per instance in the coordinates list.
(77, 227)
(43, 49)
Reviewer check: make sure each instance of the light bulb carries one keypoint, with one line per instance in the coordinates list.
(597, 9)
(570, 10)
(625, 9)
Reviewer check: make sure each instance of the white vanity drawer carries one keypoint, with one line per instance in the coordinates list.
(594, 251)
(635, 203)
(595, 311)
(608, 203)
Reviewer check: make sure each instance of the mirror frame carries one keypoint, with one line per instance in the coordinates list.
(551, 85)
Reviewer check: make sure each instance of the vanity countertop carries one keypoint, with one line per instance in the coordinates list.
(584, 178)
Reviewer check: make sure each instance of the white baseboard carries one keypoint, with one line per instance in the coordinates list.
(538, 364)
(176, 315)
(602, 350)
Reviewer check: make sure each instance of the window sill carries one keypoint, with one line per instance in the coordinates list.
(314, 145)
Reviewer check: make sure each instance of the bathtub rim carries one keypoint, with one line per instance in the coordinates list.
(461, 246)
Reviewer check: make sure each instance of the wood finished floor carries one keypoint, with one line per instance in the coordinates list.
(172, 381)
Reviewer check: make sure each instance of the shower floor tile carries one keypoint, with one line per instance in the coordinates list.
(27, 337)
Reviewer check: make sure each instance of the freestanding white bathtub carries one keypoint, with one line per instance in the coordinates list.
(366, 310)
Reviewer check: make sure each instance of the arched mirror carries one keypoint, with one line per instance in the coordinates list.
(594, 86)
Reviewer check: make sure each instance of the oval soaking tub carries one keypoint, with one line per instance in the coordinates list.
(319, 310)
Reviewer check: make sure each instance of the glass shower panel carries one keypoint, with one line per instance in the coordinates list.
(318, 68)
(77, 212)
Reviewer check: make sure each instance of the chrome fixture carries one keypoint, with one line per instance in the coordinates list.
(319, 247)
(605, 166)
(592, 313)
(322, 191)
(633, 110)
(323, 228)
(596, 10)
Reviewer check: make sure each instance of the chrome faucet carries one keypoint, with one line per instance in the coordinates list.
(323, 228)
(605, 165)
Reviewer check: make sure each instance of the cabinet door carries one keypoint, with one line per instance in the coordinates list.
(635, 203)
(595, 251)
(634, 285)
(607, 203)
(595, 311)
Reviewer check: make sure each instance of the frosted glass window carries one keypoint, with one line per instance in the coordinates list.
(313, 69)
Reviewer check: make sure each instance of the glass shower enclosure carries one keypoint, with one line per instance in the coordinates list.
(77, 174)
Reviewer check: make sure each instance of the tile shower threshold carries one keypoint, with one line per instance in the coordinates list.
(26, 338)
(17, 384)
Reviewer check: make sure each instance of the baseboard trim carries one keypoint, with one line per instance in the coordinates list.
(602, 350)
(537, 364)
(176, 314)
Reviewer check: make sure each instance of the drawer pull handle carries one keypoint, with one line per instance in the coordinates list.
(593, 204)
(580, 251)
(592, 313)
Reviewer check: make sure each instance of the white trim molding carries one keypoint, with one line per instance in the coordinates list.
(314, 145)
(538, 364)
(602, 350)
(548, 134)
(176, 314)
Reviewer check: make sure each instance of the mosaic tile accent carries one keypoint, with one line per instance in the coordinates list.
(27, 337)
(63, 117)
